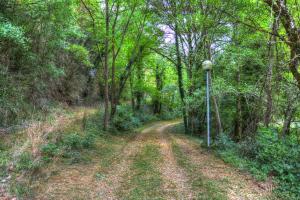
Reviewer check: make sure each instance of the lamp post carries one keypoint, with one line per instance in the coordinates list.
(207, 66)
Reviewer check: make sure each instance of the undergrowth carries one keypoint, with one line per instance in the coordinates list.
(127, 120)
(266, 155)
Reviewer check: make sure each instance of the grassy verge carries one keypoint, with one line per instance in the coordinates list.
(144, 180)
(205, 189)
(80, 143)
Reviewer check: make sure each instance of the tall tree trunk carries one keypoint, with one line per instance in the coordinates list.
(288, 119)
(159, 85)
(132, 93)
(239, 120)
(269, 88)
(106, 95)
(180, 79)
(139, 93)
(294, 64)
(113, 82)
(217, 113)
(115, 53)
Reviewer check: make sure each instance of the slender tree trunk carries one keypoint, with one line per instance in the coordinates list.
(269, 88)
(113, 65)
(180, 79)
(294, 64)
(159, 85)
(288, 119)
(239, 120)
(113, 82)
(132, 94)
(217, 113)
(106, 76)
(139, 93)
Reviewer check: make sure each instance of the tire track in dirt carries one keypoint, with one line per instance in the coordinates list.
(239, 186)
(176, 184)
(108, 188)
(80, 181)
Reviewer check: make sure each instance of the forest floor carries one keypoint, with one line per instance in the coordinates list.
(153, 163)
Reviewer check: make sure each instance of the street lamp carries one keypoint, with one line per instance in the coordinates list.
(207, 66)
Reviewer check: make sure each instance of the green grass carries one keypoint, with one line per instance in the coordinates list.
(206, 189)
(4, 158)
(144, 179)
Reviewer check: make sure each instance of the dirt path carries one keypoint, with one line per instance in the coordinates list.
(92, 181)
(85, 182)
(175, 179)
(109, 187)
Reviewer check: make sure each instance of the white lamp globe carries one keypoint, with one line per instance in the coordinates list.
(207, 65)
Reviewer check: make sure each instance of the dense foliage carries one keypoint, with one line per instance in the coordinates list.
(266, 155)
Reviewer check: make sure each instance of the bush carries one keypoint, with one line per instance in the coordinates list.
(76, 142)
(125, 119)
(169, 115)
(280, 157)
(73, 157)
(72, 141)
(22, 190)
(266, 155)
(248, 148)
(73, 144)
(224, 142)
(92, 124)
(25, 162)
(4, 157)
(146, 117)
(50, 150)
(88, 141)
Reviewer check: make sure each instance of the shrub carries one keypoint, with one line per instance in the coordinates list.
(50, 150)
(280, 157)
(4, 157)
(72, 141)
(93, 124)
(73, 156)
(146, 117)
(224, 142)
(88, 141)
(248, 148)
(22, 190)
(76, 142)
(266, 154)
(25, 162)
(168, 115)
(125, 119)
